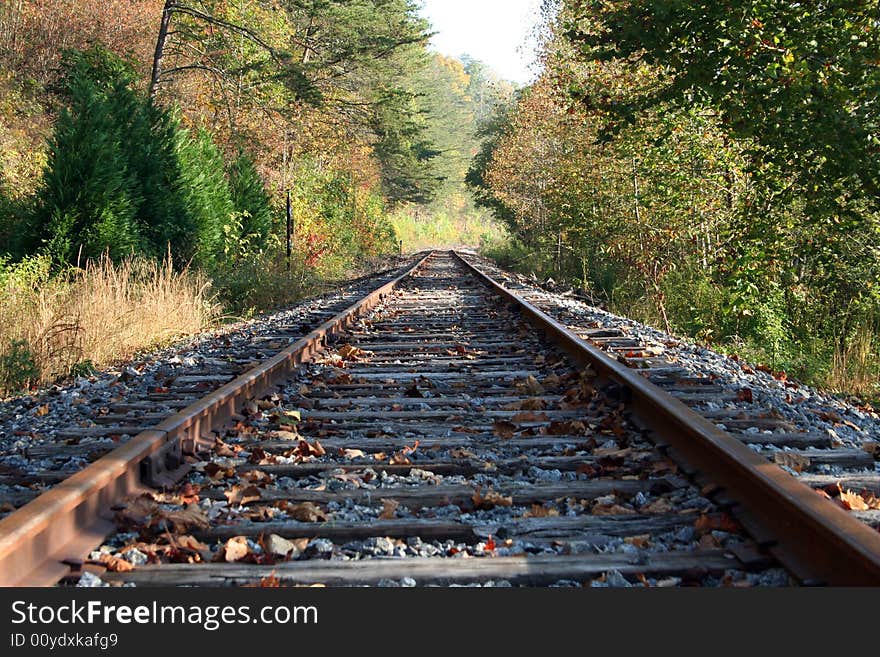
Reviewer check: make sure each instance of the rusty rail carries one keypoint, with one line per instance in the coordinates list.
(70, 519)
(817, 541)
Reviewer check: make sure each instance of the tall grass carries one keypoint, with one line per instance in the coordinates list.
(53, 324)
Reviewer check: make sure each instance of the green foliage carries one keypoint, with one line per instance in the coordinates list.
(250, 199)
(707, 167)
(18, 369)
(124, 176)
(206, 194)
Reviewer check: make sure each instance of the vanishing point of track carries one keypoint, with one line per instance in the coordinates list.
(441, 430)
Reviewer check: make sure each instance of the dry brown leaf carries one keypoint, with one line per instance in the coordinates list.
(538, 511)
(389, 509)
(640, 541)
(661, 505)
(116, 564)
(533, 404)
(353, 454)
(853, 501)
(242, 495)
(222, 449)
(717, 522)
(533, 387)
(504, 429)
(236, 549)
(307, 512)
(551, 381)
(182, 520)
(43, 410)
(461, 453)
(257, 477)
(187, 542)
(612, 510)
(217, 472)
(796, 462)
(529, 416)
(490, 499)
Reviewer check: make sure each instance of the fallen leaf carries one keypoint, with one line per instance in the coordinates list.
(490, 499)
(182, 520)
(236, 549)
(745, 395)
(43, 410)
(529, 416)
(853, 501)
(717, 522)
(660, 505)
(307, 512)
(389, 509)
(532, 386)
(353, 454)
(222, 449)
(187, 542)
(796, 462)
(504, 429)
(640, 541)
(349, 352)
(538, 511)
(116, 564)
(217, 472)
(612, 510)
(257, 477)
(242, 495)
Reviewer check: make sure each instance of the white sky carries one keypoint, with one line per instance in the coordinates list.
(496, 32)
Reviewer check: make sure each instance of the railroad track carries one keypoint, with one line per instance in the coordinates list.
(820, 446)
(47, 439)
(455, 434)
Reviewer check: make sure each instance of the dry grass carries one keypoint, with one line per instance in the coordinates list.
(103, 313)
(855, 369)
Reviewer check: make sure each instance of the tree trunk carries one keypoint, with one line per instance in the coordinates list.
(164, 27)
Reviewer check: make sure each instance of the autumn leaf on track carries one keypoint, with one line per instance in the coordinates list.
(640, 541)
(529, 416)
(235, 549)
(717, 522)
(116, 564)
(611, 510)
(218, 472)
(857, 502)
(796, 462)
(504, 429)
(661, 505)
(307, 512)
(187, 542)
(532, 386)
(191, 517)
(490, 499)
(257, 477)
(745, 395)
(389, 509)
(352, 453)
(538, 511)
(222, 449)
(242, 495)
(348, 352)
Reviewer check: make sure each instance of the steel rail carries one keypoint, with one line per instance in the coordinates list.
(73, 517)
(819, 542)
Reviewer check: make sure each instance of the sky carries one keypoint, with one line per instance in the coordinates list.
(493, 31)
